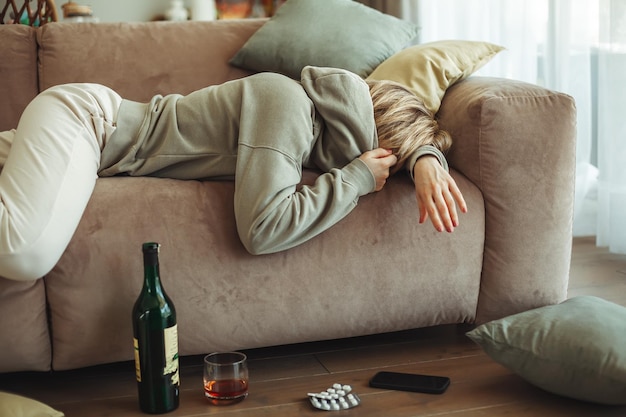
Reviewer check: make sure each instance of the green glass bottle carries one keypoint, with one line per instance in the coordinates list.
(156, 340)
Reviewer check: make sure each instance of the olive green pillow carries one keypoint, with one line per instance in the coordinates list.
(429, 69)
(12, 405)
(575, 349)
(324, 33)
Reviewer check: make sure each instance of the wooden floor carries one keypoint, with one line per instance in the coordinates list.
(280, 377)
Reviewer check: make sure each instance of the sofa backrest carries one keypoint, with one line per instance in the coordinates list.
(139, 60)
(18, 72)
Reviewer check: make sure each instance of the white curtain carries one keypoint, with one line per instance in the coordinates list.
(574, 46)
(611, 199)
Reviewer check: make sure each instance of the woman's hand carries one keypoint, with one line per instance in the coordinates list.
(379, 161)
(437, 194)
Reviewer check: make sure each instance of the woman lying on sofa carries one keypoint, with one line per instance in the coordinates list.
(262, 130)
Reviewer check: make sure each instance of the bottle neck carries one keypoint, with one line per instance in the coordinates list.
(152, 278)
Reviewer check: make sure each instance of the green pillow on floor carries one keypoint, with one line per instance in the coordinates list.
(576, 349)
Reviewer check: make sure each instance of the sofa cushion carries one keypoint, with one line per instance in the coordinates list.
(25, 341)
(12, 405)
(139, 60)
(206, 270)
(575, 348)
(340, 33)
(429, 69)
(18, 72)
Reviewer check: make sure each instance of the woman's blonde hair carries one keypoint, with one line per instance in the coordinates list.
(403, 122)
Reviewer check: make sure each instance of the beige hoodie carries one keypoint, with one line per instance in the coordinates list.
(261, 130)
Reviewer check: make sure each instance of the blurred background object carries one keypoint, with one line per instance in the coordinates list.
(28, 12)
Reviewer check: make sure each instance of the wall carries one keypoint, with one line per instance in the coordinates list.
(123, 10)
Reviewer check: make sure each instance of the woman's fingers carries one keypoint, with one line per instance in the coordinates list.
(438, 195)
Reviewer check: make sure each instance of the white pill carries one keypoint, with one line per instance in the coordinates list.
(341, 392)
(343, 403)
(346, 388)
(337, 386)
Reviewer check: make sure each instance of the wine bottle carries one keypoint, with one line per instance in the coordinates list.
(155, 340)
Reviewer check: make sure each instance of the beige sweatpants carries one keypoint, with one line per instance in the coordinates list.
(50, 168)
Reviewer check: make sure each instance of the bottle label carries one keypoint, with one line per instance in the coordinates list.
(170, 344)
(171, 353)
(137, 364)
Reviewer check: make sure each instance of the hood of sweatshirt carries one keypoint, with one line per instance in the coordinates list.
(345, 112)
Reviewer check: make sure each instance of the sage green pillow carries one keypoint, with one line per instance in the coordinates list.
(430, 68)
(12, 405)
(324, 33)
(575, 349)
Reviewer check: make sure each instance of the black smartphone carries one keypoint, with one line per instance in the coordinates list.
(429, 384)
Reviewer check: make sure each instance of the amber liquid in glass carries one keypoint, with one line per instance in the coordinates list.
(226, 391)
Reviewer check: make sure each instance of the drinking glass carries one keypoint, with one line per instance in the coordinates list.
(225, 377)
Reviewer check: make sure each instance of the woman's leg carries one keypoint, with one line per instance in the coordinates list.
(50, 173)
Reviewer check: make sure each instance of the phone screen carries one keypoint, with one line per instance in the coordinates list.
(430, 384)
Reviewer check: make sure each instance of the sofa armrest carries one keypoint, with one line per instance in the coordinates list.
(516, 142)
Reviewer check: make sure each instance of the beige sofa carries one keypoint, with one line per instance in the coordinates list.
(376, 271)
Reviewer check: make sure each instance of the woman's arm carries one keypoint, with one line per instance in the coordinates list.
(325, 122)
(274, 214)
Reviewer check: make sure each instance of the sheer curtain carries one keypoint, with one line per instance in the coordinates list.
(574, 46)
(611, 229)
